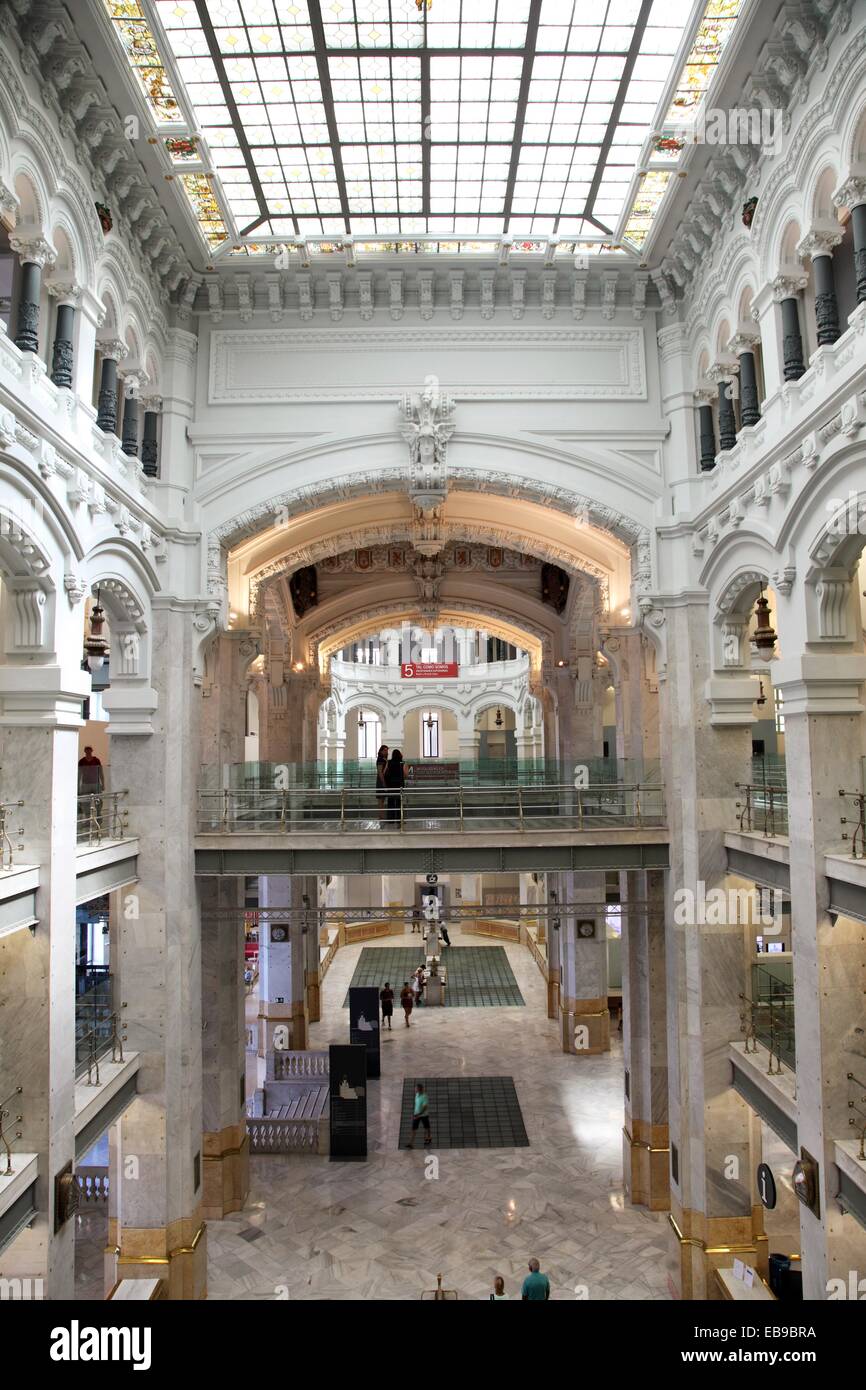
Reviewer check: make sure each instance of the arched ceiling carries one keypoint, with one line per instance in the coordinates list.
(389, 518)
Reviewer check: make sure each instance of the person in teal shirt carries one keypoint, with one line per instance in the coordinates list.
(421, 1114)
(536, 1286)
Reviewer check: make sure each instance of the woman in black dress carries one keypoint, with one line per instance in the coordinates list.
(395, 780)
(381, 788)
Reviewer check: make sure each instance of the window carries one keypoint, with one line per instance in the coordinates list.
(430, 733)
(429, 654)
(779, 702)
(369, 733)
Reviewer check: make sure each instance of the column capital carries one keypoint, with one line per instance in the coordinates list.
(723, 369)
(788, 285)
(112, 348)
(152, 404)
(745, 340)
(65, 292)
(820, 241)
(851, 192)
(133, 380)
(36, 249)
(704, 395)
(814, 683)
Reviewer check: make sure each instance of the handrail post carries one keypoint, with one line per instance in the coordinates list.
(460, 804)
(520, 807)
(225, 808)
(401, 794)
(579, 791)
(343, 807)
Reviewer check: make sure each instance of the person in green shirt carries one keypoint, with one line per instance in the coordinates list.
(421, 1114)
(536, 1286)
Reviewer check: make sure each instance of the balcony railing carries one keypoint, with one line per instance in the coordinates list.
(856, 832)
(762, 808)
(450, 808)
(11, 1119)
(857, 1089)
(101, 816)
(482, 772)
(93, 1046)
(768, 1018)
(10, 833)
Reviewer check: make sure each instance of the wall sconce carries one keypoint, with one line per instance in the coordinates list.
(498, 721)
(762, 699)
(764, 638)
(95, 645)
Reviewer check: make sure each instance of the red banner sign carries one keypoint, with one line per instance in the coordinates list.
(426, 670)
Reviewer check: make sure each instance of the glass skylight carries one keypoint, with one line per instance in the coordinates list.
(467, 119)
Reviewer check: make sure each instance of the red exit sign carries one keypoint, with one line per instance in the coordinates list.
(425, 670)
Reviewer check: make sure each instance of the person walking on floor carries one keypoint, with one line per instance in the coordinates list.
(386, 999)
(407, 1001)
(421, 1115)
(395, 780)
(536, 1286)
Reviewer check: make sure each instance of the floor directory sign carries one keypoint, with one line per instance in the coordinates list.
(348, 1086)
(364, 1024)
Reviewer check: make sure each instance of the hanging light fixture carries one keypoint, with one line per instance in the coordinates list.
(430, 721)
(762, 699)
(764, 637)
(498, 720)
(95, 645)
(362, 723)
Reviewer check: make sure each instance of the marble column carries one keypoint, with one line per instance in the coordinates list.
(646, 1141)
(309, 893)
(38, 753)
(34, 254)
(129, 440)
(149, 444)
(727, 415)
(786, 293)
(282, 1001)
(820, 244)
(825, 739)
(743, 346)
(113, 351)
(637, 733)
(225, 1143)
(224, 694)
(63, 351)
(160, 1225)
(707, 430)
(708, 1122)
(584, 1015)
(852, 195)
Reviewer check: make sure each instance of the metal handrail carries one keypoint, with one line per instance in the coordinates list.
(4, 1140)
(778, 1033)
(101, 817)
(6, 847)
(115, 1042)
(853, 1106)
(520, 807)
(858, 835)
(775, 799)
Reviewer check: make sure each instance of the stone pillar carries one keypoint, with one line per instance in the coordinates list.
(711, 1203)
(554, 954)
(149, 445)
(309, 892)
(34, 253)
(727, 415)
(637, 734)
(646, 1144)
(584, 1015)
(225, 1143)
(113, 351)
(282, 1002)
(824, 742)
(63, 352)
(160, 1203)
(820, 244)
(129, 442)
(707, 429)
(786, 293)
(852, 195)
(38, 754)
(743, 344)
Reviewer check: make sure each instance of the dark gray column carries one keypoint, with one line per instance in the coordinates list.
(826, 308)
(708, 433)
(858, 227)
(62, 354)
(750, 410)
(106, 406)
(793, 365)
(129, 441)
(727, 417)
(149, 443)
(27, 322)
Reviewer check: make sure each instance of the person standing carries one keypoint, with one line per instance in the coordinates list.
(91, 779)
(536, 1286)
(386, 999)
(395, 780)
(498, 1293)
(418, 984)
(381, 787)
(421, 1115)
(407, 1001)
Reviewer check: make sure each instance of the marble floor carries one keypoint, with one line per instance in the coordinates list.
(386, 1228)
